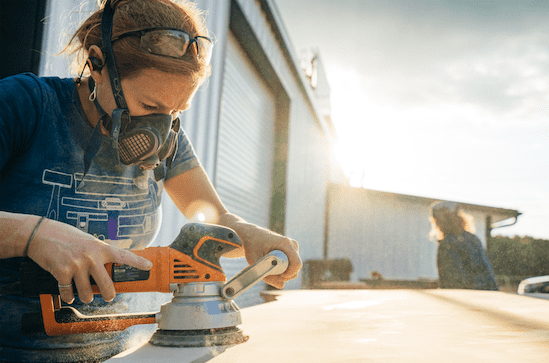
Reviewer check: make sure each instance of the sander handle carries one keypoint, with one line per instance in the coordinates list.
(274, 263)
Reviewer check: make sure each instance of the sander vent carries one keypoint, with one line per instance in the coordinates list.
(182, 271)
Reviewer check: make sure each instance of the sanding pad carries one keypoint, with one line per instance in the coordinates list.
(198, 338)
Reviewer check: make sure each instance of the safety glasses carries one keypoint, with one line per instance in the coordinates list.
(171, 42)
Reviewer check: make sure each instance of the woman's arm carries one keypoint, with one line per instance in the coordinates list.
(66, 252)
(193, 193)
(15, 230)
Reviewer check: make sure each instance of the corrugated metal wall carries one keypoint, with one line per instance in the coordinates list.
(244, 168)
(308, 173)
(246, 139)
(307, 168)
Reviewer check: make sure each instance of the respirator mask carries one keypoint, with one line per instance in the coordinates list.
(147, 140)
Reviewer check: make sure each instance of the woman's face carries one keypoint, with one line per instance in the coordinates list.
(150, 92)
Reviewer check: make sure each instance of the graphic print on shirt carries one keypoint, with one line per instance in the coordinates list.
(121, 211)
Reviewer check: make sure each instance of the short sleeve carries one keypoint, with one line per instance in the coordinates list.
(20, 100)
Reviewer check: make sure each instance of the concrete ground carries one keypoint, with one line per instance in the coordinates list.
(395, 325)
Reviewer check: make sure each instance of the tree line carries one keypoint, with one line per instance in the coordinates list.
(519, 256)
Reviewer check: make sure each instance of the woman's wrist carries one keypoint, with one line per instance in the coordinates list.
(15, 229)
(32, 236)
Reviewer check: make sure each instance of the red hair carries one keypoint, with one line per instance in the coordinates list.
(139, 14)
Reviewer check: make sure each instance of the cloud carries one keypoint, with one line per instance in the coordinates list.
(465, 52)
(511, 81)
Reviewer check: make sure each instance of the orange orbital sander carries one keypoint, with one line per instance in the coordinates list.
(202, 311)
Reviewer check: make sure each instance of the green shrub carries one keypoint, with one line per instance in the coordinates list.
(519, 256)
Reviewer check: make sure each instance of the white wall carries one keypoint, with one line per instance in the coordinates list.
(381, 234)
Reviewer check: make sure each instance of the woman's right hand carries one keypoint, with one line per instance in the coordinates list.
(73, 256)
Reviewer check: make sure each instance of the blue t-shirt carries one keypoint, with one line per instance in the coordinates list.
(43, 136)
(463, 263)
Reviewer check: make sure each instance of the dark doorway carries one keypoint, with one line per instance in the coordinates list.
(21, 29)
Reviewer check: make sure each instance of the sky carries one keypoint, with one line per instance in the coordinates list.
(438, 99)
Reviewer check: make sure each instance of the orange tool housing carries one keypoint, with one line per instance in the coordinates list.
(170, 266)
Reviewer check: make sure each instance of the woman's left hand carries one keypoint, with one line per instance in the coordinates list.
(258, 242)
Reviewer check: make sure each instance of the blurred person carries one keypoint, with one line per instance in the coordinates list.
(461, 260)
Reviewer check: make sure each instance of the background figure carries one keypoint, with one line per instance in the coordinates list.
(462, 261)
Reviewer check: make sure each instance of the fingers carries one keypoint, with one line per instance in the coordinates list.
(82, 283)
(64, 276)
(104, 281)
(66, 292)
(105, 285)
(295, 262)
(294, 244)
(129, 258)
(290, 247)
(275, 281)
(101, 279)
(81, 273)
(83, 286)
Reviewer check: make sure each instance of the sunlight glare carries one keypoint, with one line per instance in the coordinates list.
(365, 129)
(201, 211)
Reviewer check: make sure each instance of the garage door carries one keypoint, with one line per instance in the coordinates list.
(244, 166)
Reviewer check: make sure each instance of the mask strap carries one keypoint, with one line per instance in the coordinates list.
(106, 35)
(107, 123)
(94, 142)
(115, 131)
(95, 138)
(93, 146)
(159, 172)
(112, 124)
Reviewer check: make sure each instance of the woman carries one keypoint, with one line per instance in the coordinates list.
(461, 259)
(83, 164)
